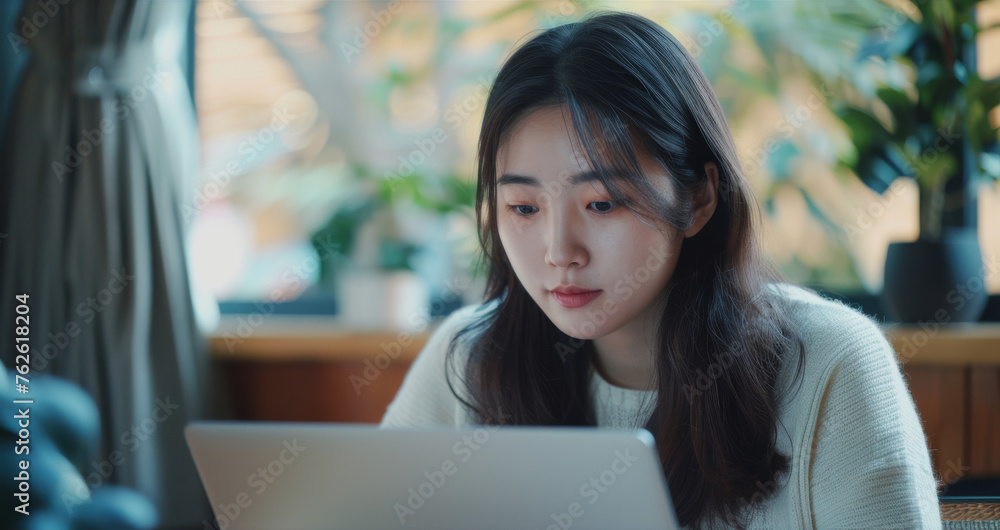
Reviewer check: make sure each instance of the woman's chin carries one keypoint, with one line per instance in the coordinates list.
(577, 328)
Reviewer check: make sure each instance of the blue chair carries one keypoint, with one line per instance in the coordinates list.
(60, 433)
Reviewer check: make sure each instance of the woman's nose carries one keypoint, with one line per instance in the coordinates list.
(566, 246)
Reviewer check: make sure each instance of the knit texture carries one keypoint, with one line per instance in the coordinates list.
(617, 407)
(859, 457)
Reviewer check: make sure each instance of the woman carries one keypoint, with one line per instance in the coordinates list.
(627, 289)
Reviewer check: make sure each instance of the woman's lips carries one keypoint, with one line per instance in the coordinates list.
(571, 301)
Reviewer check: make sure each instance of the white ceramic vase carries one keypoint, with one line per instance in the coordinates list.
(377, 299)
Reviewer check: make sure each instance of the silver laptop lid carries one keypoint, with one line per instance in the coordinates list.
(310, 476)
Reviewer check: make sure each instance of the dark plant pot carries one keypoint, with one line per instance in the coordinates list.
(939, 281)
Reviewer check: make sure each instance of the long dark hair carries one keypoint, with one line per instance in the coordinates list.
(630, 87)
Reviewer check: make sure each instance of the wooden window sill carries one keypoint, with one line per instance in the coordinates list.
(283, 338)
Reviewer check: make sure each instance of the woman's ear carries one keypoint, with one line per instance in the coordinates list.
(705, 200)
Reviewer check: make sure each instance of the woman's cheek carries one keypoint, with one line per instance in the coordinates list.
(511, 238)
(512, 228)
(508, 235)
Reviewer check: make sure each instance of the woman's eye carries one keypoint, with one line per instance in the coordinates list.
(603, 206)
(525, 210)
(521, 209)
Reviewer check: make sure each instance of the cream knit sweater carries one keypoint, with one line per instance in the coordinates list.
(859, 455)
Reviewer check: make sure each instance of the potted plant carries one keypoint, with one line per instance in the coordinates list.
(383, 254)
(936, 129)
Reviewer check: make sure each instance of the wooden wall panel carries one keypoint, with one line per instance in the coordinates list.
(939, 394)
(312, 390)
(984, 421)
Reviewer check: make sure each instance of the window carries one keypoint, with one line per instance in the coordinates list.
(314, 115)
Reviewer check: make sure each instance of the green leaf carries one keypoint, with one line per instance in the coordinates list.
(900, 105)
(931, 173)
(880, 166)
(864, 128)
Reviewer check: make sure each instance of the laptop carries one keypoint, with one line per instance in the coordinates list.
(337, 475)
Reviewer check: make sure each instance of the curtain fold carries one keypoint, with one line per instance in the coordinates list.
(101, 151)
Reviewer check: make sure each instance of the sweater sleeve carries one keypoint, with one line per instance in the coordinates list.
(424, 399)
(871, 466)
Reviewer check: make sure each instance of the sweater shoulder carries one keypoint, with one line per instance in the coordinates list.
(436, 348)
(460, 319)
(834, 336)
(858, 425)
(829, 327)
(426, 395)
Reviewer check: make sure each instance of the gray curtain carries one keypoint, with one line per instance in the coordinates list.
(100, 152)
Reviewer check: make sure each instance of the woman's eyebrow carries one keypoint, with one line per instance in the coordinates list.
(579, 178)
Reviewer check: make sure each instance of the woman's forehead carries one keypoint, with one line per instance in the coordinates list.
(542, 164)
(543, 137)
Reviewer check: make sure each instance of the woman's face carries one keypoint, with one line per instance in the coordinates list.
(559, 229)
